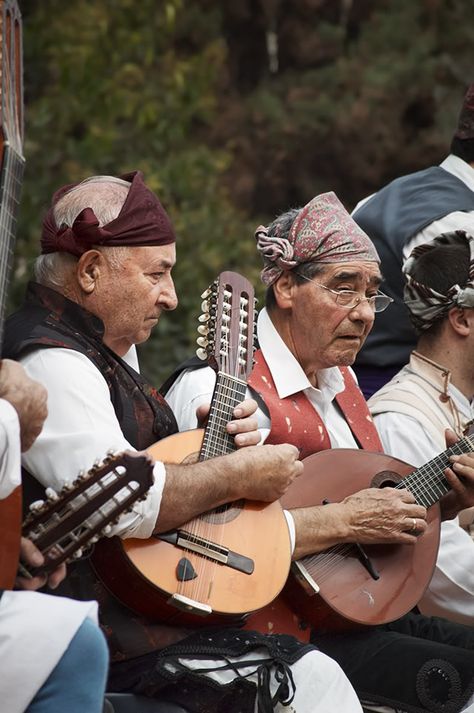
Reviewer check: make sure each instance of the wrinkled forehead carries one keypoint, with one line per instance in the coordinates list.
(362, 271)
(153, 257)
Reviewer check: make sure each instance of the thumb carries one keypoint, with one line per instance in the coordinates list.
(451, 437)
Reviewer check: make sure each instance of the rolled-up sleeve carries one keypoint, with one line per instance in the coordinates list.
(80, 429)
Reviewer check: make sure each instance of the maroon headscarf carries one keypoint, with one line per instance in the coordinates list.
(141, 221)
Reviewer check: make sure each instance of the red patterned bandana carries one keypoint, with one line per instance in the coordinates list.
(141, 221)
(323, 231)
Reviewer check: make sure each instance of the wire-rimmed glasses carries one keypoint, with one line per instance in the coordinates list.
(351, 298)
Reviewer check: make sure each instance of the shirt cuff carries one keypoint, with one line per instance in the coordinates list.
(141, 521)
(291, 527)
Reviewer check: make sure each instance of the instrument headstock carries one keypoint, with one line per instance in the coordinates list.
(227, 325)
(66, 522)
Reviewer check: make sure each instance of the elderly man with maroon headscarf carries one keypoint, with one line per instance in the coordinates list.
(102, 283)
(322, 276)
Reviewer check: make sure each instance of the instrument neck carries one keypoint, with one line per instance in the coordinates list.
(228, 393)
(428, 483)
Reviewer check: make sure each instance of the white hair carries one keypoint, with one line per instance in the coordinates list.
(106, 196)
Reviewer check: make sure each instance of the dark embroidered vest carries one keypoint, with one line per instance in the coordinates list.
(295, 421)
(47, 319)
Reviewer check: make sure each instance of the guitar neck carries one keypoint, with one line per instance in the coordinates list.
(228, 393)
(428, 483)
(10, 190)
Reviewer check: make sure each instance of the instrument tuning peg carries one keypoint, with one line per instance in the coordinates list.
(77, 554)
(37, 505)
(205, 306)
(202, 341)
(204, 318)
(51, 494)
(206, 293)
(203, 329)
(201, 354)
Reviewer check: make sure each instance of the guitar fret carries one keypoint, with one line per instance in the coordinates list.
(10, 188)
(428, 483)
(228, 393)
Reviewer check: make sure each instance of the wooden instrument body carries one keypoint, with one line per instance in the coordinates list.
(10, 537)
(142, 573)
(347, 591)
(11, 175)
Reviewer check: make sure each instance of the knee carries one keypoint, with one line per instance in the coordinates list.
(89, 647)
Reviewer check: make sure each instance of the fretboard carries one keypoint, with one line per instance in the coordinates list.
(10, 190)
(428, 483)
(228, 393)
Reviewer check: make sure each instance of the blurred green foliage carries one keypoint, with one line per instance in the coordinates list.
(182, 90)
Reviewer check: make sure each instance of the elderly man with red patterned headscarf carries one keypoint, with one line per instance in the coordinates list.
(102, 282)
(322, 276)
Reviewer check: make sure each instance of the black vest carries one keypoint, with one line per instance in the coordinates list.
(391, 217)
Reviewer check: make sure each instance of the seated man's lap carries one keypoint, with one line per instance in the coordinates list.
(426, 663)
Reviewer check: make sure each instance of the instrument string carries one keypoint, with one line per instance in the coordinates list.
(12, 164)
(229, 391)
(427, 483)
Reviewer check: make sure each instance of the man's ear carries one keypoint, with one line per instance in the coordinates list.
(283, 290)
(461, 320)
(88, 270)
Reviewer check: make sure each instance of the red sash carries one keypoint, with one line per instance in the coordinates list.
(294, 420)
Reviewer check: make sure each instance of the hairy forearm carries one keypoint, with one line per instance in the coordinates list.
(318, 528)
(193, 489)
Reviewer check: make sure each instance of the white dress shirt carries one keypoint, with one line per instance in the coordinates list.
(81, 414)
(35, 629)
(451, 590)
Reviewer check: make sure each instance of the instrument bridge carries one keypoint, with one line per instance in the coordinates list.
(206, 548)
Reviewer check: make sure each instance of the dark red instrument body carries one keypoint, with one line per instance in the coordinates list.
(334, 589)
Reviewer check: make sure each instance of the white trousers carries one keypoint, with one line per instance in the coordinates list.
(321, 685)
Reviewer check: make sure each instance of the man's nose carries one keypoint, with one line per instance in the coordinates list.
(363, 311)
(168, 298)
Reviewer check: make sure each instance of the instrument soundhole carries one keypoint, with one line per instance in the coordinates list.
(386, 479)
(224, 513)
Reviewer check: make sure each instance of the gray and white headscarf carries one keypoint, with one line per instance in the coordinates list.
(425, 304)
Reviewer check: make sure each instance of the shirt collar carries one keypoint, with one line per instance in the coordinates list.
(459, 168)
(285, 369)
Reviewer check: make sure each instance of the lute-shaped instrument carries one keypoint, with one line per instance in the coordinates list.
(231, 560)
